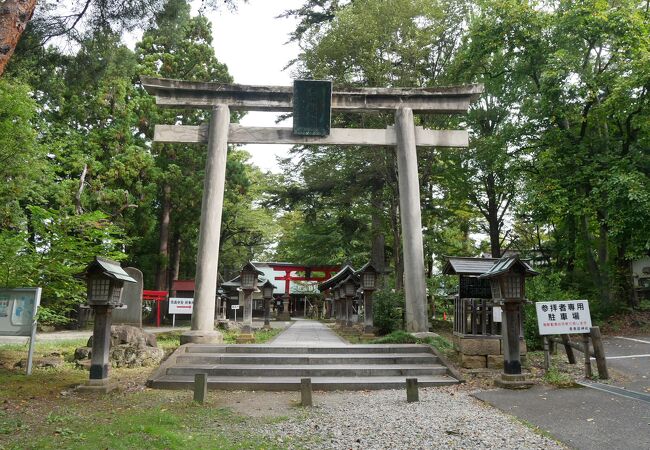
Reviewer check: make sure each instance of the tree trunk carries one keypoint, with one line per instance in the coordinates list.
(163, 249)
(493, 217)
(397, 245)
(174, 267)
(14, 16)
(378, 239)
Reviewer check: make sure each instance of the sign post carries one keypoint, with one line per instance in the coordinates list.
(570, 317)
(18, 312)
(235, 308)
(178, 305)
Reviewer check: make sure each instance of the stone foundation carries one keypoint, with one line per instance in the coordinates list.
(481, 353)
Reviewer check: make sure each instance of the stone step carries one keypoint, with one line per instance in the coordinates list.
(325, 370)
(343, 348)
(327, 358)
(293, 383)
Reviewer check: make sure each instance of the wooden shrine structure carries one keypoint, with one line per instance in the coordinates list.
(405, 136)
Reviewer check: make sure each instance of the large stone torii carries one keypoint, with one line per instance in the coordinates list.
(222, 98)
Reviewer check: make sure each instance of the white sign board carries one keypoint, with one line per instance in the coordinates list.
(179, 305)
(563, 317)
(18, 308)
(496, 314)
(234, 306)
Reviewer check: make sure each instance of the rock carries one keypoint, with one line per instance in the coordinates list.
(425, 334)
(134, 356)
(47, 361)
(127, 334)
(82, 353)
(130, 347)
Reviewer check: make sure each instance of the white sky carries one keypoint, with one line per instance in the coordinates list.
(252, 43)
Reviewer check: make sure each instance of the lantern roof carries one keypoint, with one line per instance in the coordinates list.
(463, 265)
(508, 264)
(251, 268)
(268, 283)
(367, 267)
(236, 282)
(341, 275)
(351, 278)
(109, 268)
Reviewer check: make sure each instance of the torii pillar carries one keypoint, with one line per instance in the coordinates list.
(202, 330)
(411, 218)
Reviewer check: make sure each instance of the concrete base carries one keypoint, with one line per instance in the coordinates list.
(98, 386)
(267, 327)
(508, 381)
(246, 338)
(201, 337)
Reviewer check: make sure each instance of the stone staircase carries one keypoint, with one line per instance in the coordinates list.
(280, 368)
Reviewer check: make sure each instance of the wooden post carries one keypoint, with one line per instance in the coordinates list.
(412, 394)
(567, 347)
(599, 352)
(547, 354)
(200, 387)
(585, 341)
(305, 392)
(411, 219)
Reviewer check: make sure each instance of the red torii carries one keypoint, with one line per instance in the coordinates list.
(287, 268)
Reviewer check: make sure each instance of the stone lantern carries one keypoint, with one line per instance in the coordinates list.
(368, 276)
(349, 288)
(248, 280)
(105, 279)
(507, 282)
(267, 293)
(340, 304)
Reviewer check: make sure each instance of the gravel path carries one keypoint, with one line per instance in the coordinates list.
(443, 419)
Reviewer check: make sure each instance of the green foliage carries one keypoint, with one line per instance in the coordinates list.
(58, 249)
(388, 311)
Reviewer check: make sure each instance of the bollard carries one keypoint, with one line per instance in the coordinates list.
(200, 387)
(412, 394)
(305, 392)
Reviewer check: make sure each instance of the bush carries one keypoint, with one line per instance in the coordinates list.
(388, 311)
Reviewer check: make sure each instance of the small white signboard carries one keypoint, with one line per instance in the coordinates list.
(563, 317)
(234, 306)
(496, 314)
(179, 305)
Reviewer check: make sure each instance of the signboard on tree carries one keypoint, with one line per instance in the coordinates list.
(563, 317)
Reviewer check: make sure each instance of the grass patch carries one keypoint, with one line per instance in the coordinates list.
(559, 379)
(149, 419)
(402, 337)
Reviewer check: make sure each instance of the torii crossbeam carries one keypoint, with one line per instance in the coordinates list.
(222, 98)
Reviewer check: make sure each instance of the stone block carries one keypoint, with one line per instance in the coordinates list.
(473, 361)
(495, 361)
(476, 346)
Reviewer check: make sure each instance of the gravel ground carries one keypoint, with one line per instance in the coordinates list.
(443, 418)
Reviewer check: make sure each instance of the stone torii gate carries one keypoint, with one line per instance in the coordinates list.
(222, 98)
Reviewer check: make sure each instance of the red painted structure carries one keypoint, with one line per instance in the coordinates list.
(288, 268)
(155, 296)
